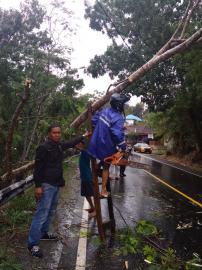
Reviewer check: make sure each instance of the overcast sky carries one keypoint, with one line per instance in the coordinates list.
(86, 43)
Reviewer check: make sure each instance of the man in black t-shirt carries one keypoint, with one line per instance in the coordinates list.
(48, 178)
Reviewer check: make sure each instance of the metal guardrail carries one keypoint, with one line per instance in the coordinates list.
(15, 189)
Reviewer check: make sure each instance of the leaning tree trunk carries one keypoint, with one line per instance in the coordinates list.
(9, 141)
(185, 44)
(176, 44)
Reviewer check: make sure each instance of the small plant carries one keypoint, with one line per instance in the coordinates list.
(18, 213)
(96, 241)
(146, 228)
(169, 260)
(141, 240)
(7, 262)
(150, 253)
(194, 264)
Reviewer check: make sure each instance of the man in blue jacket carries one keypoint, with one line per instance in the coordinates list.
(108, 135)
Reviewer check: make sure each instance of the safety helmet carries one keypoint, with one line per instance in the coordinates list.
(117, 101)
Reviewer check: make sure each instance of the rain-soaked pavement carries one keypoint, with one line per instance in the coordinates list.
(140, 196)
(137, 196)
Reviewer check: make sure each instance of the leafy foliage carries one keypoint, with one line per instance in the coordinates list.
(172, 89)
(138, 29)
(144, 240)
(146, 228)
(7, 262)
(30, 47)
(149, 253)
(18, 214)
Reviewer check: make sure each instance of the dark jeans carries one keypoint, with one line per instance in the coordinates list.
(46, 208)
(122, 169)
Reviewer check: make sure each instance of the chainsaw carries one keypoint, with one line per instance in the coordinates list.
(121, 159)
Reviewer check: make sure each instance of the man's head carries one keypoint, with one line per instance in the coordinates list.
(117, 101)
(54, 132)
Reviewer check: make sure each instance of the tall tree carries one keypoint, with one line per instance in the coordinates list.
(30, 47)
(138, 30)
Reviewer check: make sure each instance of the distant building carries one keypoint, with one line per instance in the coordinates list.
(131, 119)
(139, 133)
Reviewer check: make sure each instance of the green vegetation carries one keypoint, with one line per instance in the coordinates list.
(145, 241)
(7, 262)
(31, 48)
(15, 219)
(18, 213)
(173, 89)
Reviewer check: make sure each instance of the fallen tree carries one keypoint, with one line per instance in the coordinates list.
(176, 44)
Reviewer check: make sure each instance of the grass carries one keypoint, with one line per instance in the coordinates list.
(8, 261)
(15, 218)
(17, 214)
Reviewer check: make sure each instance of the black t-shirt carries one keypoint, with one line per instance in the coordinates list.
(48, 162)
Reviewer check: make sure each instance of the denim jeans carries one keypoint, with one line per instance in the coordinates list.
(46, 208)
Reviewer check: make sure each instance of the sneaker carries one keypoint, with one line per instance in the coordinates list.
(50, 237)
(122, 174)
(35, 251)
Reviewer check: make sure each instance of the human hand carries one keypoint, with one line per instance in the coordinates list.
(38, 193)
(87, 134)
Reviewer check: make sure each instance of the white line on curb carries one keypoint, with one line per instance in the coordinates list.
(81, 252)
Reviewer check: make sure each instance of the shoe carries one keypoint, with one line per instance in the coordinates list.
(122, 174)
(50, 237)
(35, 251)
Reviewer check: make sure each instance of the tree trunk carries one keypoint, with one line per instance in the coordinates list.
(138, 74)
(25, 139)
(9, 141)
(18, 171)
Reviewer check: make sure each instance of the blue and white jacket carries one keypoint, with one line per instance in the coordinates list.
(108, 134)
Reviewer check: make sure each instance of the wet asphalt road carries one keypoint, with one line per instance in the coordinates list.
(137, 196)
(140, 196)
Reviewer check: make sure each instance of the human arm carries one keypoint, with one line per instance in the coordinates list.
(71, 143)
(38, 174)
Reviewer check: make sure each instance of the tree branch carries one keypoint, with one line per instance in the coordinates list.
(18, 171)
(182, 25)
(13, 124)
(138, 74)
(188, 18)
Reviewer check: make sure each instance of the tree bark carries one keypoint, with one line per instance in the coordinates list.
(40, 107)
(9, 141)
(18, 171)
(187, 43)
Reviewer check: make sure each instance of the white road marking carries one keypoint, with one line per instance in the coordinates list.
(56, 254)
(168, 165)
(81, 252)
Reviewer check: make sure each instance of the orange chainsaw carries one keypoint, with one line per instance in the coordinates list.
(121, 159)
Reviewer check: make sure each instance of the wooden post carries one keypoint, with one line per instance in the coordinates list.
(96, 185)
(110, 208)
